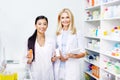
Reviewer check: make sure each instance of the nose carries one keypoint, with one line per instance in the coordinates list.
(42, 25)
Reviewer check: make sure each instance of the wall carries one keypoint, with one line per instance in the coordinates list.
(17, 21)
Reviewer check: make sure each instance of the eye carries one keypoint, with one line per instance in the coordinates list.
(67, 17)
(39, 23)
(45, 24)
(62, 17)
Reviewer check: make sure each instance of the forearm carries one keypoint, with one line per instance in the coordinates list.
(80, 55)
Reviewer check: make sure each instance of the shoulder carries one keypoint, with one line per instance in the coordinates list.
(73, 35)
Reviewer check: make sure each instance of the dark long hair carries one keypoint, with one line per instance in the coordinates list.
(32, 39)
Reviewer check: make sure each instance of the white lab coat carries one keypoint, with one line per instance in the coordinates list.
(42, 68)
(72, 67)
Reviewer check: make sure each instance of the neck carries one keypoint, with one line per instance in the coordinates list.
(40, 36)
(41, 39)
(65, 28)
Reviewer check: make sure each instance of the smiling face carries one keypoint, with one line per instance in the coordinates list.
(65, 19)
(41, 26)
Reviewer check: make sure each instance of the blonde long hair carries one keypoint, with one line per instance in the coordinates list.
(71, 26)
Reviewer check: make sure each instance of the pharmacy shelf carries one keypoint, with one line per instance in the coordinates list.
(93, 20)
(110, 3)
(92, 37)
(97, 51)
(93, 8)
(107, 42)
(113, 18)
(111, 38)
(109, 55)
(111, 72)
(93, 62)
(89, 73)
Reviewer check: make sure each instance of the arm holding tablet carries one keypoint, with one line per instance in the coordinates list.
(76, 53)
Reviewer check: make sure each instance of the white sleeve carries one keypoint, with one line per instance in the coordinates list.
(53, 46)
(81, 43)
(77, 46)
(75, 42)
(73, 46)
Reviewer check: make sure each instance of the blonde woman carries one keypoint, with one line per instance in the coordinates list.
(67, 64)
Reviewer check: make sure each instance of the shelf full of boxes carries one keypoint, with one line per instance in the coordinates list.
(102, 26)
(110, 40)
(92, 26)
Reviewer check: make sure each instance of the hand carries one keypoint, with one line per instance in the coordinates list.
(53, 59)
(62, 58)
(29, 61)
(30, 56)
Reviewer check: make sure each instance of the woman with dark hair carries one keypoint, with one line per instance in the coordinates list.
(40, 51)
